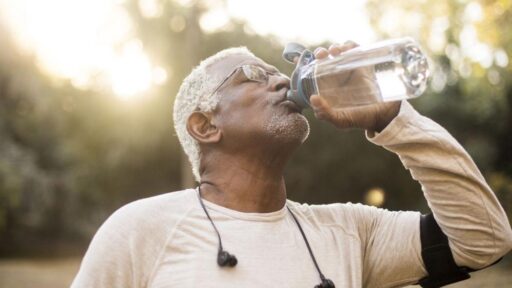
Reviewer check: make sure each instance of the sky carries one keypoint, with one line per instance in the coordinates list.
(311, 21)
(63, 34)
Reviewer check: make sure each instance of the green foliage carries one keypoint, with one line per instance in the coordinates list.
(475, 100)
(70, 157)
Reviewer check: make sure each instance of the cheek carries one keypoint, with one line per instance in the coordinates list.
(245, 125)
(240, 121)
(239, 97)
(243, 110)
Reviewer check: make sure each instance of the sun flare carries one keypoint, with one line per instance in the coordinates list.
(93, 44)
(76, 40)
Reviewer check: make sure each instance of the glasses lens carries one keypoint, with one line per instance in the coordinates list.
(255, 73)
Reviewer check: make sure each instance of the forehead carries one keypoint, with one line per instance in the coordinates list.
(224, 67)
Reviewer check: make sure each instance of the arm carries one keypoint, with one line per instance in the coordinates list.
(464, 206)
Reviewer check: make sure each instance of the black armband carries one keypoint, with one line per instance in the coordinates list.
(437, 256)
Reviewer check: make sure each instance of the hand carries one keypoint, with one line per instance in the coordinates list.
(373, 117)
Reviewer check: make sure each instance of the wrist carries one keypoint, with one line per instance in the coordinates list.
(383, 119)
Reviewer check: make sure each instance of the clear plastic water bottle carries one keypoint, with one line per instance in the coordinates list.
(385, 71)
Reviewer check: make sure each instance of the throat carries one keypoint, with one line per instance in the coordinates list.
(250, 196)
(248, 180)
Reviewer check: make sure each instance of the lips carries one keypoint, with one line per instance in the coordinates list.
(289, 104)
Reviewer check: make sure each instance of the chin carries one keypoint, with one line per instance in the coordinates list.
(291, 129)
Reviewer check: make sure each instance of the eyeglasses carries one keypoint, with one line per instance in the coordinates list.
(251, 72)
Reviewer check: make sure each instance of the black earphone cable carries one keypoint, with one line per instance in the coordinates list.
(322, 277)
(208, 215)
(326, 283)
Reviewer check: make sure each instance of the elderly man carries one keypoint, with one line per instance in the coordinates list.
(238, 130)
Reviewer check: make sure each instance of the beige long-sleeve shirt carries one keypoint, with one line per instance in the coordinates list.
(167, 241)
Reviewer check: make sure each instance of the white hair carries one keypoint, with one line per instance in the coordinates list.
(195, 94)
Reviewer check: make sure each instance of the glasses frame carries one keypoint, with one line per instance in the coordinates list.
(244, 68)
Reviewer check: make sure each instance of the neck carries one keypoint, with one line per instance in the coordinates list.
(246, 183)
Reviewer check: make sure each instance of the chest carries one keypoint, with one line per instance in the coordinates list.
(269, 255)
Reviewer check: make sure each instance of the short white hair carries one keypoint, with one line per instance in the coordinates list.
(195, 94)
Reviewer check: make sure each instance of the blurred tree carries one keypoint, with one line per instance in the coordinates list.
(69, 157)
(470, 93)
(342, 169)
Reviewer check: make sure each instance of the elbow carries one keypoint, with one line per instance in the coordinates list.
(502, 245)
(481, 256)
(505, 243)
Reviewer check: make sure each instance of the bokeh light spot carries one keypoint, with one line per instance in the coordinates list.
(177, 23)
(375, 197)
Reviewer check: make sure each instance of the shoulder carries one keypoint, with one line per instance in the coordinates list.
(358, 219)
(153, 212)
(333, 212)
(350, 215)
(155, 216)
(167, 203)
(127, 245)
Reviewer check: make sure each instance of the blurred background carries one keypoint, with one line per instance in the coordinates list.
(87, 89)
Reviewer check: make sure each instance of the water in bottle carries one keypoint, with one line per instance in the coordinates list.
(385, 71)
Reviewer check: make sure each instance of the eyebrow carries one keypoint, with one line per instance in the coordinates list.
(273, 68)
(268, 67)
(263, 65)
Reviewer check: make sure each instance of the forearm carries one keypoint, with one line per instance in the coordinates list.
(464, 206)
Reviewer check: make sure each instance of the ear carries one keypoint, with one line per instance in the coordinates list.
(201, 128)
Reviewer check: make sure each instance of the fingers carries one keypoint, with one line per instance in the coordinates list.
(348, 45)
(321, 53)
(334, 49)
(341, 119)
(317, 102)
(320, 107)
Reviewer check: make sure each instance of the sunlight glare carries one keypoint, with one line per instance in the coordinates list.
(214, 20)
(131, 71)
(77, 40)
(306, 22)
(150, 8)
(159, 75)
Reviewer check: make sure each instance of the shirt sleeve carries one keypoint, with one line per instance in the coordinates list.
(124, 250)
(390, 243)
(464, 206)
(108, 260)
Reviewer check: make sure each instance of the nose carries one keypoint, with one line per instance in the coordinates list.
(279, 81)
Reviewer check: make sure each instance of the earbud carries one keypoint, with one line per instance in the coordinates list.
(223, 257)
(326, 283)
(226, 259)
